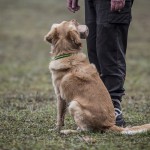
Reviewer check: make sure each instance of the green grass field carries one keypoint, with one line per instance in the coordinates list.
(27, 99)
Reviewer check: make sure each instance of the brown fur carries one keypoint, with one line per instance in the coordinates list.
(77, 84)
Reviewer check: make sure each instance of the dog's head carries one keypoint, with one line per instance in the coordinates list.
(66, 37)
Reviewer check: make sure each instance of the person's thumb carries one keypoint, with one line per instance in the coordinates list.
(74, 4)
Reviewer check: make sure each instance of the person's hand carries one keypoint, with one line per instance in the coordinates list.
(117, 5)
(72, 5)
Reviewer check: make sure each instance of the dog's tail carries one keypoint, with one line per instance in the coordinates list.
(131, 130)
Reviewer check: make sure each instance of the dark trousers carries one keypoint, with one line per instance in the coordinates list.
(107, 42)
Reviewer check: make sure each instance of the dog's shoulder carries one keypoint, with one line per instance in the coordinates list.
(87, 72)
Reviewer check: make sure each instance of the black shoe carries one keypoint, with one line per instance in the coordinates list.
(118, 113)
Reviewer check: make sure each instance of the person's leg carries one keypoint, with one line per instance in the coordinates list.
(111, 50)
(90, 20)
(111, 43)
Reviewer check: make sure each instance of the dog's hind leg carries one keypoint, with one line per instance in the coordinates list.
(76, 111)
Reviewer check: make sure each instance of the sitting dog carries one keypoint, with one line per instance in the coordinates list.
(77, 83)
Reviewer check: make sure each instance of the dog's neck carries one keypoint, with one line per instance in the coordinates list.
(64, 47)
(63, 52)
(62, 56)
(67, 62)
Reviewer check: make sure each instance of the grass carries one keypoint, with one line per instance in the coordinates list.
(27, 99)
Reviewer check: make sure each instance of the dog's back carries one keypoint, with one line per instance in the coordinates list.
(80, 81)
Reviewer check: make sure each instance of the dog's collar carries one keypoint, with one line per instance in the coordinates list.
(62, 56)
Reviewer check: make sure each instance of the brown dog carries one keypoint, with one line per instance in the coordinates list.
(77, 84)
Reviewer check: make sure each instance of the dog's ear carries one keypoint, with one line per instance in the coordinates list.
(52, 35)
(74, 37)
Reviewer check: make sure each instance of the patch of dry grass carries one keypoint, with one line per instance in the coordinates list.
(27, 106)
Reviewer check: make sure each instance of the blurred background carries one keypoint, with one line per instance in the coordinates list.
(27, 109)
(24, 56)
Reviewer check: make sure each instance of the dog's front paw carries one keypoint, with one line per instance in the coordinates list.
(56, 129)
(68, 131)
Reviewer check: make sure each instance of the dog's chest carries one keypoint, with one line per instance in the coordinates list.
(57, 77)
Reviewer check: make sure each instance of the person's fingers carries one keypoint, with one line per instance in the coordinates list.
(72, 10)
(74, 4)
(117, 5)
(123, 3)
(77, 8)
(69, 5)
(112, 6)
(120, 6)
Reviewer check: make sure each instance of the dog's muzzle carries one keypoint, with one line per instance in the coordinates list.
(84, 31)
